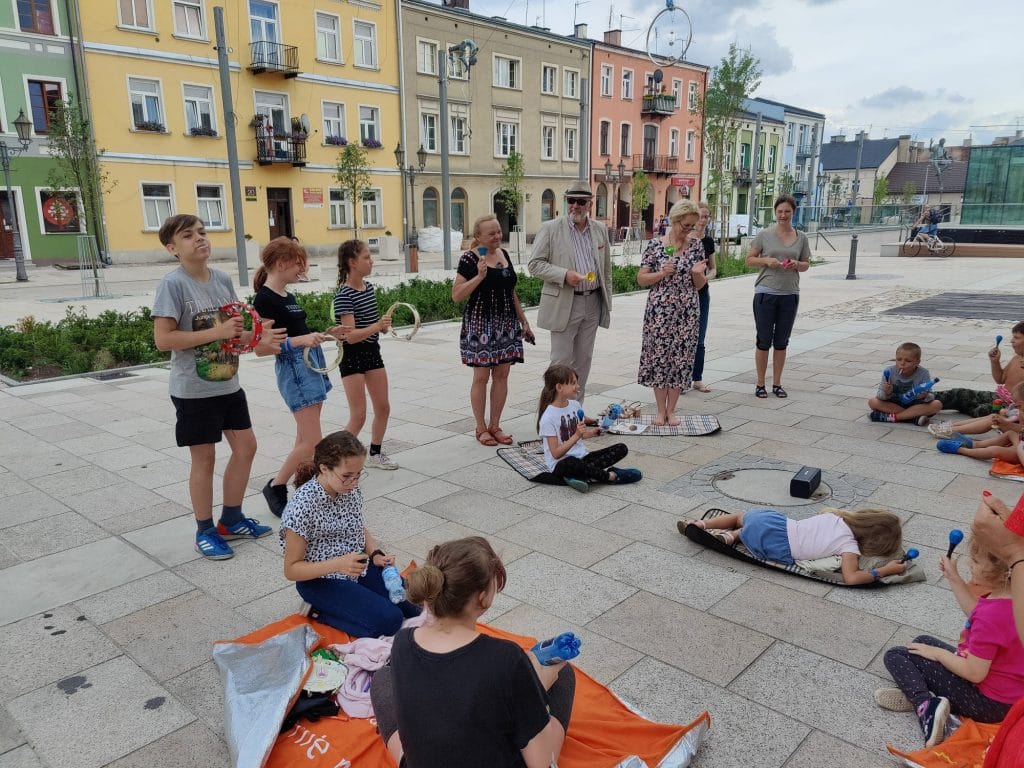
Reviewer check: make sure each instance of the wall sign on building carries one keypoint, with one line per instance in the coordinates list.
(250, 194)
(312, 197)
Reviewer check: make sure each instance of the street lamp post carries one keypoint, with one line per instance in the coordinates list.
(615, 180)
(410, 174)
(24, 128)
(822, 178)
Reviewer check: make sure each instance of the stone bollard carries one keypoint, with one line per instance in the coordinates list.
(851, 272)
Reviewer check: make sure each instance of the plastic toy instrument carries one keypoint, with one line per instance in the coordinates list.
(613, 414)
(908, 397)
(910, 555)
(955, 537)
(591, 277)
(235, 345)
(555, 650)
(999, 340)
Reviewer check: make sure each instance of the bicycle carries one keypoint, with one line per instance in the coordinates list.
(937, 245)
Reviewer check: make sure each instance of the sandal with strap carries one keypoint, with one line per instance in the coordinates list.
(778, 391)
(500, 436)
(760, 391)
(484, 437)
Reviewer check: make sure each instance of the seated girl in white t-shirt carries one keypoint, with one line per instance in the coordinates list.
(770, 535)
(560, 425)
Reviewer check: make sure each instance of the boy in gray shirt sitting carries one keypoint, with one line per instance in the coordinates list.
(897, 381)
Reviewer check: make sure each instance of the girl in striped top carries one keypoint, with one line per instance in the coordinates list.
(362, 367)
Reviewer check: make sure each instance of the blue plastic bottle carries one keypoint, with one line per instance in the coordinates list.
(910, 397)
(393, 583)
(555, 650)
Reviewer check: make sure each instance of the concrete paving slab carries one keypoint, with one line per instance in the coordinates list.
(93, 718)
(10, 736)
(22, 508)
(252, 573)
(12, 485)
(156, 472)
(200, 690)
(929, 607)
(133, 596)
(390, 521)
(172, 541)
(73, 482)
(651, 526)
(194, 746)
(563, 539)
(143, 518)
(421, 543)
(21, 757)
(480, 511)
(8, 558)
(50, 534)
(820, 749)
(572, 505)
(423, 492)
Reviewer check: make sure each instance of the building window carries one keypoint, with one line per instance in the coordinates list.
(745, 156)
(134, 13)
(624, 140)
(60, 212)
(548, 79)
(547, 142)
(505, 139)
(199, 109)
(770, 168)
(627, 84)
(604, 140)
(369, 123)
(506, 72)
(428, 131)
(457, 69)
(340, 209)
(547, 205)
(572, 84)
(691, 145)
(365, 42)
(691, 96)
(210, 205)
(188, 19)
(569, 143)
(145, 99)
(677, 90)
(673, 142)
(36, 16)
(43, 97)
(802, 133)
(426, 57)
(459, 129)
(274, 106)
(328, 38)
(430, 207)
(458, 210)
(789, 134)
(606, 79)
(373, 208)
(601, 203)
(157, 205)
(334, 122)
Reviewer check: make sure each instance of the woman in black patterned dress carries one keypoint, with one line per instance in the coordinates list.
(493, 325)
(673, 268)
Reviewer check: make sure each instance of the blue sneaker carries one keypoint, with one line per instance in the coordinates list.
(246, 528)
(210, 545)
(578, 485)
(625, 475)
(933, 715)
(949, 446)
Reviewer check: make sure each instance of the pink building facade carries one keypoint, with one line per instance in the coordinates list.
(643, 117)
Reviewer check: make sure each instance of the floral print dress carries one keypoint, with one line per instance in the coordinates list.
(671, 320)
(491, 334)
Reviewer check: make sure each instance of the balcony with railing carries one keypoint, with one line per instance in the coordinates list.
(660, 164)
(272, 148)
(658, 104)
(805, 150)
(274, 57)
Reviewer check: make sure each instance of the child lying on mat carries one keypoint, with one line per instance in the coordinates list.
(770, 535)
(561, 427)
(982, 677)
(1003, 446)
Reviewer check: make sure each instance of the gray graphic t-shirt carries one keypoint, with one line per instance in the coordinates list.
(206, 371)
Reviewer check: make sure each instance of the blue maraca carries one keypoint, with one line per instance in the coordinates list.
(955, 537)
(886, 374)
(910, 555)
(999, 340)
(580, 415)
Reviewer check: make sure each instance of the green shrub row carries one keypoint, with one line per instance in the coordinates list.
(80, 344)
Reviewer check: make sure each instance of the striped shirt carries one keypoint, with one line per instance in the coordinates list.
(361, 304)
(583, 246)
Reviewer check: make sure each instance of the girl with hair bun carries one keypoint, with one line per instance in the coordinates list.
(335, 562)
(455, 698)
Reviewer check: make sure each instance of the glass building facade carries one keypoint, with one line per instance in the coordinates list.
(994, 192)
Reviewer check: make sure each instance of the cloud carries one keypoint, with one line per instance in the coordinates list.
(760, 40)
(952, 98)
(895, 97)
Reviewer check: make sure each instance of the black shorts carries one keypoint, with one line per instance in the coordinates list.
(202, 420)
(360, 358)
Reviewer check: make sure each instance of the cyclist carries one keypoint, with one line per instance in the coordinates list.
(927, 226)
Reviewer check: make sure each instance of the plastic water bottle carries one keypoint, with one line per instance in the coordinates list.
(555, 650)
(393, 583)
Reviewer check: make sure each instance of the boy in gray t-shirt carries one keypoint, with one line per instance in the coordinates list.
(208, 401)
(897, 381)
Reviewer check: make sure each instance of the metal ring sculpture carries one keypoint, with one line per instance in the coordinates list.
(235, 345)
(415, 319)
(679, 44)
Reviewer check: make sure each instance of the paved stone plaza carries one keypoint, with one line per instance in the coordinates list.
(107, 613)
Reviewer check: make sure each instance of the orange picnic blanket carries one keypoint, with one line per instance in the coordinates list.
(966, 748)
(602, 733)
(1008, 470)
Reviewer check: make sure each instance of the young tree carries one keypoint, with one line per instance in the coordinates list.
(510, 190)
(76, 168)
(353, 178)
(735, 78)
(879, 195)
(786, 183)
(640, 197)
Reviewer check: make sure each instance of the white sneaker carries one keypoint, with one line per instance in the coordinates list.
(380, 461)
(941, 429)
(923, 420)
(893, 700)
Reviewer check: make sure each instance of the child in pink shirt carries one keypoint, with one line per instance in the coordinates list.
(982, 677)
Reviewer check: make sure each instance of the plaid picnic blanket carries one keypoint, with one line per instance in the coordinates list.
(527, 459)
(691, 426)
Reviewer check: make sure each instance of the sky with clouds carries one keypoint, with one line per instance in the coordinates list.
(931, 69)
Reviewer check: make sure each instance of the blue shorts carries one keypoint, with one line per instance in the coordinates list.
(299, 386)
(930, 229)
(765, 534)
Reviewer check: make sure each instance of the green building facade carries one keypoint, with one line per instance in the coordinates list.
(37, 70)
(994, 192)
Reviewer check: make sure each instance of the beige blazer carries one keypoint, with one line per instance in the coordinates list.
(553, 256)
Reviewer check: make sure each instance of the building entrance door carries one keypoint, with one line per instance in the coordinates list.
(279, 212)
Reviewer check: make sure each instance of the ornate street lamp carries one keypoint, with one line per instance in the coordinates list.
(410, 173)
(615, 180)
(24, 128)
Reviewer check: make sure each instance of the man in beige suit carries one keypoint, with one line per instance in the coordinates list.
(565, 251)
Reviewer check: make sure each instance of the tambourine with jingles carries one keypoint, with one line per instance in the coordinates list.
(415, 319)
(327, 368)
(235, 345)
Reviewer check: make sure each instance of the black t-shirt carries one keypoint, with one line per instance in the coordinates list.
(478, 705)
(283, 310)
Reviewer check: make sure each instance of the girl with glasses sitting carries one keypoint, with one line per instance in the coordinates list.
(333, 559)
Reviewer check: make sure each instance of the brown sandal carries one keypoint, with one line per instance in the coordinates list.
(484, 437)
(500, 436)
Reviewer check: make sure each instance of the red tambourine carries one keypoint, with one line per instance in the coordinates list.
(235, 345)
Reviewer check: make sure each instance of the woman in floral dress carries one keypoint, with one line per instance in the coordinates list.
(673, 268)
(493, 325)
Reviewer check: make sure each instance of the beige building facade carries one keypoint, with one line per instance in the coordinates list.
(522, 95)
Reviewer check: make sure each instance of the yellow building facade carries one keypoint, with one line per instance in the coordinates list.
(307, 76)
